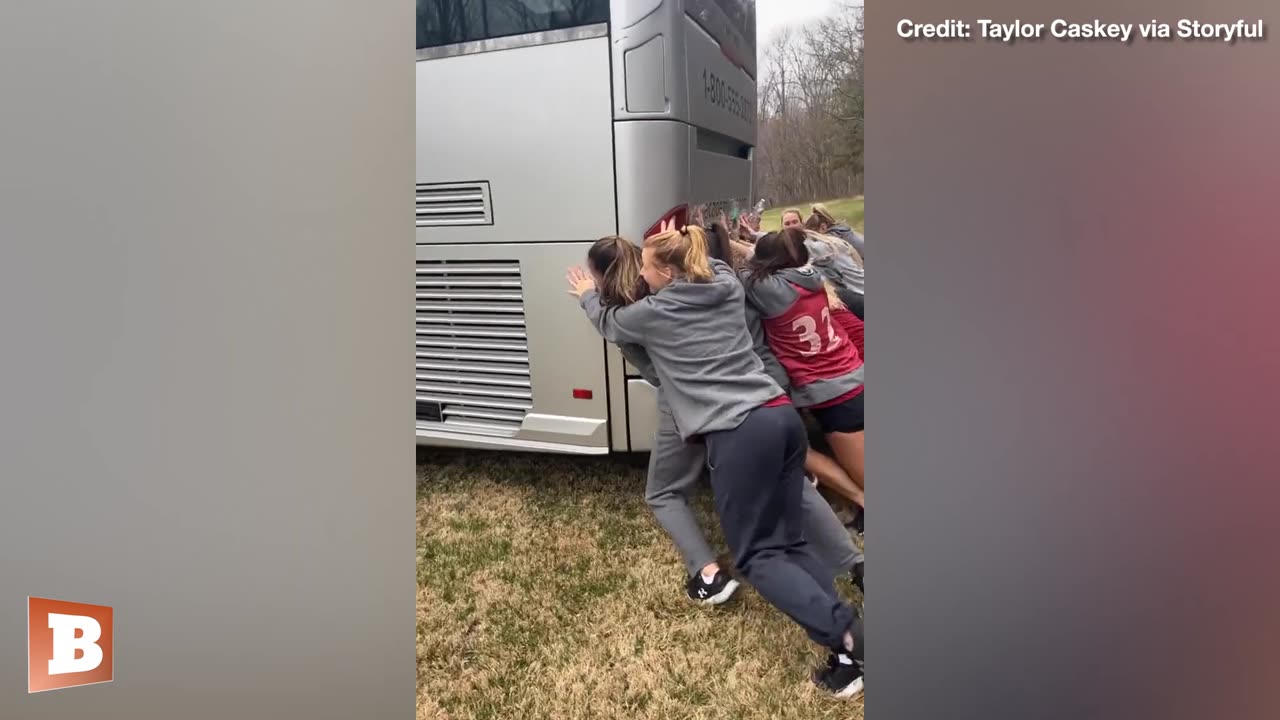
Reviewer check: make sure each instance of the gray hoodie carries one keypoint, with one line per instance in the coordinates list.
(851, 236)
(759, 343)
(696, 335)
(639, 357)
(774, 295)
(838, 268)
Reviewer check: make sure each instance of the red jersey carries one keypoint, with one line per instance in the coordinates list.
(809, 342)
(853, 327)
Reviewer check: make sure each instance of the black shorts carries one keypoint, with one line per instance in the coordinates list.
(847, 417)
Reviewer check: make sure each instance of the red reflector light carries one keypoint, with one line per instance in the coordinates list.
(580, 394)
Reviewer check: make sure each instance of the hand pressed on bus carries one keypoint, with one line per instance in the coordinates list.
(664, 226)
(580, 281)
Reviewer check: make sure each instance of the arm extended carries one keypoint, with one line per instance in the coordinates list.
(627, 324)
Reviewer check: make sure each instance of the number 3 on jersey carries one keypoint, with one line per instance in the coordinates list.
(807, 326)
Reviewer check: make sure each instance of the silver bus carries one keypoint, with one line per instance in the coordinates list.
(541, 126)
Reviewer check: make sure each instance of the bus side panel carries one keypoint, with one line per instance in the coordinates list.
(718, 179)
(618, 426)
(564, 354)
(532, 122)
(648, 149)
(644, 413)
(699, 84)
(506, 359)
(637, 27)
(722, 96)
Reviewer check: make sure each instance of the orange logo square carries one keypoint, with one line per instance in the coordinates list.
(68, 644)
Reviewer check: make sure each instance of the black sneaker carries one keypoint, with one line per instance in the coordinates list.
(856, 575)
(721, 588)
(859, 521)
(841, 677)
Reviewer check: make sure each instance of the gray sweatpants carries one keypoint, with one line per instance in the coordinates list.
(678, 469)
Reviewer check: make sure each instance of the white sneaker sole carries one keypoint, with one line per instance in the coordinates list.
(723, 596)
(851, 690)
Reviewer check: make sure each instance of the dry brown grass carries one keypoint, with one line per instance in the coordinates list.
(546, 590)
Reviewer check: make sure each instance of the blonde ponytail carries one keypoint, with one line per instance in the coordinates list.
(697, 265)
(833, 298)
(836, 244)
(686, 250)
(822, 212)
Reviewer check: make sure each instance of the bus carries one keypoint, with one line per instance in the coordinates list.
(543, 125)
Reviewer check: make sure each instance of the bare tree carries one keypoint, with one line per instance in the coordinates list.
(810, 110)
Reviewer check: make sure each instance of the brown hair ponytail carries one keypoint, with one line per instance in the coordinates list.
(617, 261)
(778, 251)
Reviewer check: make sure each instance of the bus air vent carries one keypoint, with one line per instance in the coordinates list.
(451, 204)
(472, 352)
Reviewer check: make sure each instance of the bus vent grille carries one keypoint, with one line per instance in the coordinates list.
(472, 351)
(454, 204)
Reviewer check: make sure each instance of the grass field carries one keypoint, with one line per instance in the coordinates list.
(848, 209)
(546, 590)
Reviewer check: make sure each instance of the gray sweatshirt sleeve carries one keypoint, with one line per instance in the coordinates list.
(720, 267)
(627, 324)
(851, 236)
(760, 344)
(639, 357)
(837, 267)
(770, 295)
(820, 253)
(852, 277)
(858, 242)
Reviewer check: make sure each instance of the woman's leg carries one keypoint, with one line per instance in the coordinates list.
(848, 449)
(676, 468)
(757, 474)
(831, 475)
(843, 427)
(829, 538)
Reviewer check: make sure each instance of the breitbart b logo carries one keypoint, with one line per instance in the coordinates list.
(68, 644)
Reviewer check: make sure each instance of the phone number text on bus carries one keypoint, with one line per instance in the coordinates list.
(724, 96)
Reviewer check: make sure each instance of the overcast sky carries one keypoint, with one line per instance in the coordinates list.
(773, 15)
